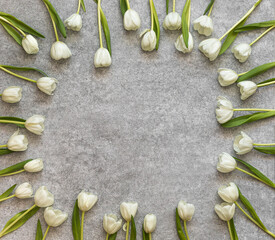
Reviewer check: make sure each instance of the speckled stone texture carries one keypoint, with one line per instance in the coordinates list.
(143, 129)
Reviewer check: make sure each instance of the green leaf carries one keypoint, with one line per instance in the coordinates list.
(39, 233)
(8, 192)
(179, 228)
(24, 27)
(145, 236)
(106, 30)
(113, 236)
(247, 119)
(256, 71)
(14, 168)
(267, 150)
(76, 222)
(24, 69)
(254, 26)
(208, 7)
(5, 151)
(133, 234)
(156, 27)
(83, 5)
(185, 18)
(167, 6)
(267, 81)
(15, 119)
(233, 230)
(123, 7)
(11, 31)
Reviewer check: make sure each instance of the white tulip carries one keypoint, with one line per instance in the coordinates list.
(210, 48)
(247, 88)
(43, 198)
(186, 210)
(35, 165)
(47, 85)
(60, 50)
(180, 44)
(226, 163)
(242, 51)
(149, 40)
(17, 142)
(172, 21)
(111, 224)
(74, 22)
(227, 76)
(128, 209)
(225, 211)
(204, 25)
(54, 217)
(86, 201)
(23, 191)
(229, 193)
(35, 124)
(131, 20)
(30, 44)
(242, 143)
(150, 223)
(102, 58)
(224, 110)
(12, 94)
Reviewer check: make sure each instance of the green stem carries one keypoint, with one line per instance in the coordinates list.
(174, 5)
(185, 229)
(254, 109)
(265, 84)
(229, 228)
(150, 236)
(107, 236)
(48, 228)
(99, 23)
(210, 10)
(10, 23)
(82, 225)
(128, 4)
(240, 74)
(16, 75)
(8, 121)
(152, 14)
(264, 144)
(0, 94)
(127, 230)
(54, 26)
(13, 173)
(3, 146)
(4, 199)
(264, 33)
(78, 9)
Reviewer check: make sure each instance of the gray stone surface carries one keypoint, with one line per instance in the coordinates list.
(142, 130)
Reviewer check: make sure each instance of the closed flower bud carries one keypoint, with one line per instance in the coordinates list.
(35, 165)
(247, 88)
(102, 58)
(227, 76)
(12, 94)
(225, 211)
(86, 201)
(128, 209)
(23, 191)
(35, 124)
(204, 25)
(210, 48)
(149, 40)
(180, 45)
(60, 50)
(43, 198)
(150, 223)
(226, 163)
(17, 142)
(131, 20)
(242, 143)
(229, 193)
(111, 224)
(224, 110)
(242, 51)
(74, 22)
(30, 44)
(186, 210)
(54, 217)
(172, 21)
(47, 85)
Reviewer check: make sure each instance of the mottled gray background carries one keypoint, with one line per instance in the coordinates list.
(143, 129)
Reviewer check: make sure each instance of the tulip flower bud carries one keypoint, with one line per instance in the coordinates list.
(60, 50)
(224, 111)
(23, 191)
(172, 21)
(186, 210)
(17, 143)
(43, 198)
(225, 211)
(111, 224)
(35, 165)
(128, 209)
(102, 58)
(150, 223)
(227, 76)
(47, 85)
(242, 51)
(210, 48)
(54, 217)
(226, 163)
(247, 88)
(74, 22)
(242, 143)
(204, 25)
(30, 44)
(35, 124)
(12, 94)
(149, 40)
(86, 201)
(131, 20)
(180, 44)
(229, 193)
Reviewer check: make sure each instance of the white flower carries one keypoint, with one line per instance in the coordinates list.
(204, 25)
(224, 110)
(35, 124)
(186, 210)
(18, 143)
(210, 48)
(149, 40)
(35, 165)
(242, 143)
(150, 223)
(86, 201)
(111, 224)
(226, 163)
(30, 44)
(12, 94)
(131, 20)
(47, 85)
(172, 21)
(102, 58)
(225, 211)
(180, 44)
(242, 51)
(54, 217)
(74, 22)
(128, 209)
(60, 50)
(229, 193)
(23, 191)
(43, 198)
(247, 88)
(227, 76)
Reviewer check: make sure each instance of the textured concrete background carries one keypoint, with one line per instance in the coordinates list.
(142, 130)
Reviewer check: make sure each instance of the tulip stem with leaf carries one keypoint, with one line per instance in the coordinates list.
(264, 33)
(128, 211)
